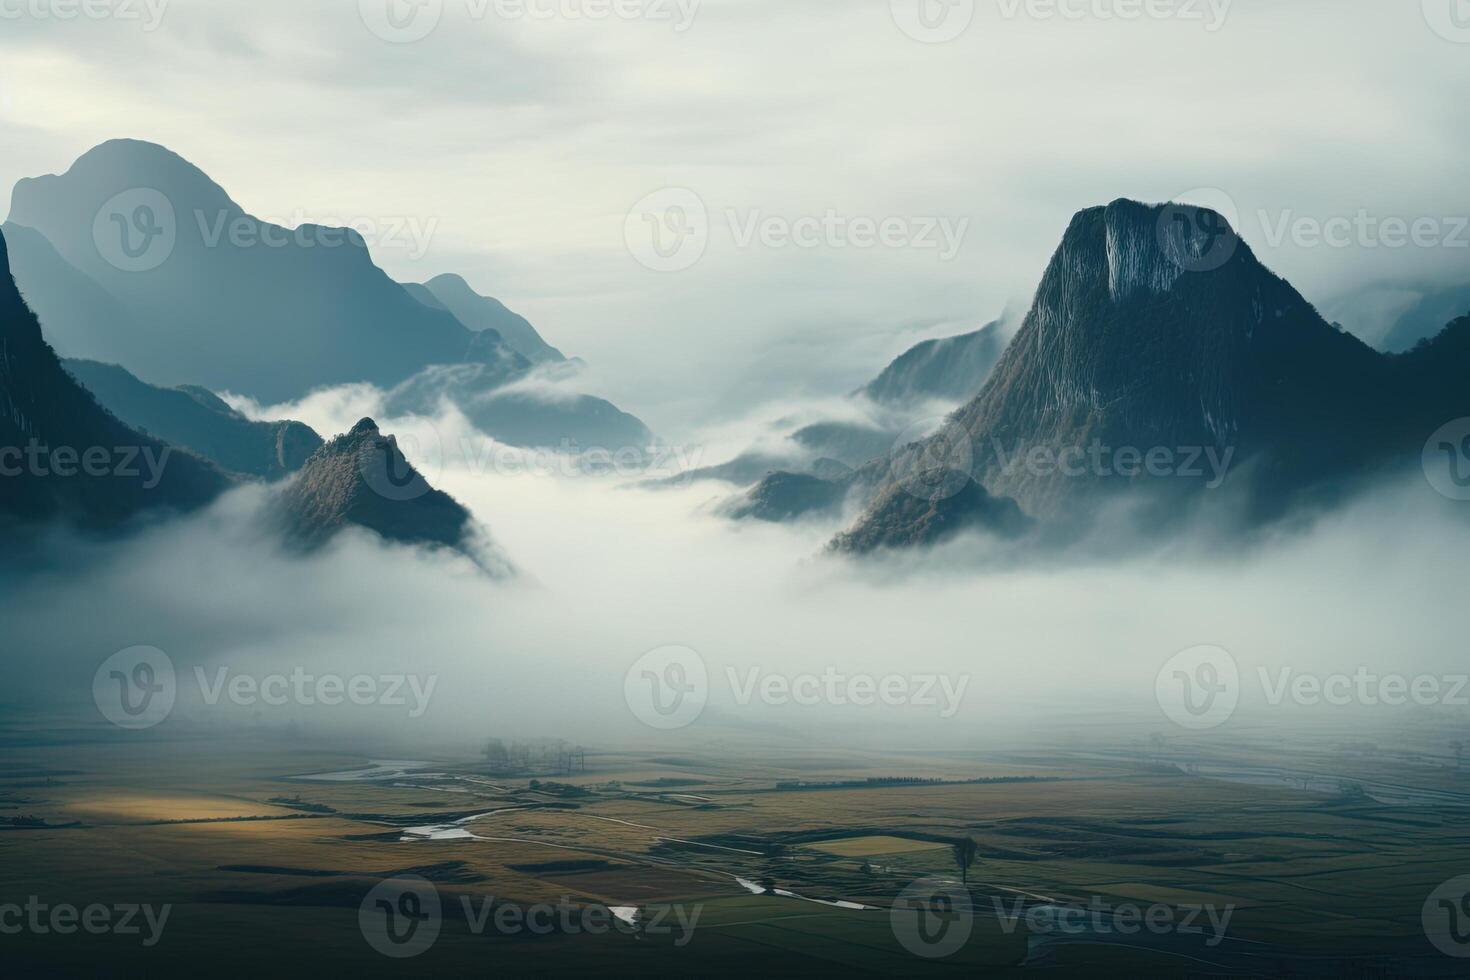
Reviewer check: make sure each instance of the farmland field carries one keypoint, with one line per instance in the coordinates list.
(278, 845)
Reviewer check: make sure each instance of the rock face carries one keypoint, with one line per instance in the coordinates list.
(951, 369)
(215, 296)
(900, 518)
(196, 419)
(63, 456)
(1155, 328)
(361, 479)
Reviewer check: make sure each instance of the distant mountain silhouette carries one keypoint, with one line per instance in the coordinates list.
(63, 456)
(361, 479)
(78, 317)
(1426, 318)
(486, 313)
(218, 297)
(949, 369)
(196, 419)
(135, 257)
(520, 416)
(1156, 327)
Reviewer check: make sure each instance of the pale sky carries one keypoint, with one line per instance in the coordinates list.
(517, 145)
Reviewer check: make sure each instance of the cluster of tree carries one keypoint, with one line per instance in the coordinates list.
(537, 754)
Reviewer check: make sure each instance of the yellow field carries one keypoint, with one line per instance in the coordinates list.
(870, 846)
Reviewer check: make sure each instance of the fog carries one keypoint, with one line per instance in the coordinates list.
(524, 142)
(610, 571)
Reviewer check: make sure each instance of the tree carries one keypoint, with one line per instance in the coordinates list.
(965, 853)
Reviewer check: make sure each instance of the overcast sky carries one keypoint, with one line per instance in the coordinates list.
(516, 146)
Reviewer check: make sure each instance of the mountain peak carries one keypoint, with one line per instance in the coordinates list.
(1146, 248)
(119, 164)
(363, 480)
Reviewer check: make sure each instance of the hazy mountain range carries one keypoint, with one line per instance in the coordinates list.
(932, 376)
(64, 456)
(196, 419)
(1155, 332)
(135, 257)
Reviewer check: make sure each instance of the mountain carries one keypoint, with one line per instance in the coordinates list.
(1424, 320)
(361, 479)
(79, 317)
(520, 416)
(850, 443)
(950, 369)
(215, 296)
(784, 496)
(485, 313)
(63, 456)
(1156, 330)
(196, 419)
(899, 518)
